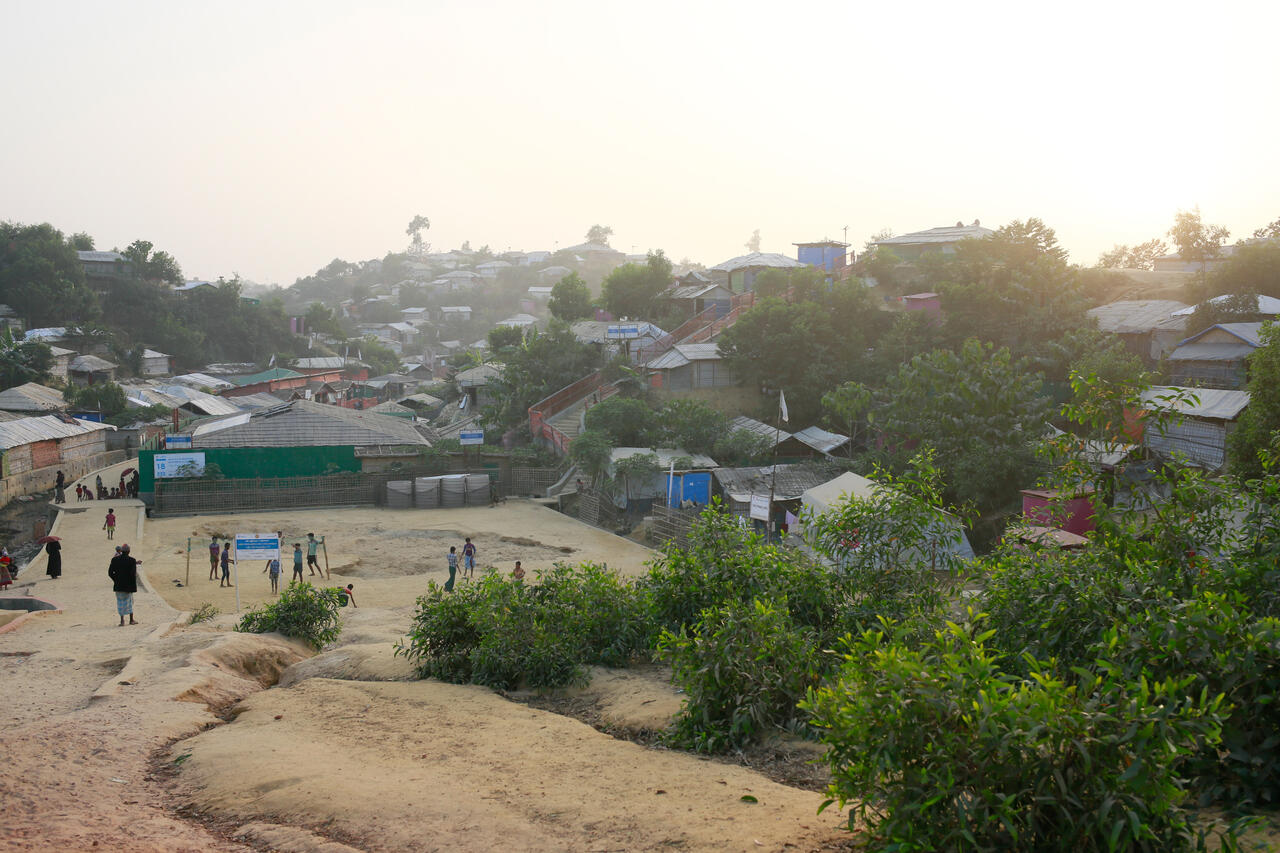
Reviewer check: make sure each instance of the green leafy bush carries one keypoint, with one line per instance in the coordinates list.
(302, 610)
(723, 562)
(504, 633)
(940, 748)
(744, 665)
(1216, 644)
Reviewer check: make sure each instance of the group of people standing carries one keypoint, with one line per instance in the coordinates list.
(468, 563)
(220, 559)
(128, 488)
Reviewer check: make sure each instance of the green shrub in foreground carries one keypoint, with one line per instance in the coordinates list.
(743, 666)
(939, 748)
(504, 634)
(302, 610)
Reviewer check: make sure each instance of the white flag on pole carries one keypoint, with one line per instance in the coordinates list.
(782, 404)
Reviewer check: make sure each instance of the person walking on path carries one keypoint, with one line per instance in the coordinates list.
(109, 524)
(297, 561)
(60, 489)
(273, 566)
(468, 559)
(53, 567)
(313, 566)
(123, 572)
(5, 578)
(453, 568)
(226, 565)
(213, 558)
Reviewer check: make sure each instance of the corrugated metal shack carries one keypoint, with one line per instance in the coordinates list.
(1216, 357)
(1149, 328)
(1201, 434)
(28, 444)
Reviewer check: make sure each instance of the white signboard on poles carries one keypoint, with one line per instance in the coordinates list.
(179, 465)
(621, 333)
(760, 507)
(257, 546)
(471, 436)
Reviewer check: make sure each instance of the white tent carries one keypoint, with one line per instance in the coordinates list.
(821, 499)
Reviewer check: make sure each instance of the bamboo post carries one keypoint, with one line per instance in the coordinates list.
(235, 552)
(188, 561)
(325, 548)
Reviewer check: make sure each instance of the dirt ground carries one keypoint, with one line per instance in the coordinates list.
(389, 554)
(163, 736)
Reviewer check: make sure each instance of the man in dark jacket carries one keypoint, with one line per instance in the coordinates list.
(123, 572)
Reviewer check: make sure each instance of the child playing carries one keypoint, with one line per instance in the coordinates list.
(297, 562)
(348, 595)
(273, 566)
(109, 524)
(468, 559)
(518, 572)
(453, 568)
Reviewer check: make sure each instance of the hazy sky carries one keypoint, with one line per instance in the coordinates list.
(267, 138)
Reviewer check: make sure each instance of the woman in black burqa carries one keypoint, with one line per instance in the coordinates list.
(54, 549)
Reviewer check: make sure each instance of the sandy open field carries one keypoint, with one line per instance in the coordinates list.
(164, 737)
(389, 554)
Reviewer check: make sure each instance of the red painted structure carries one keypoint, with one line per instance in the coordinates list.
(1050, 507)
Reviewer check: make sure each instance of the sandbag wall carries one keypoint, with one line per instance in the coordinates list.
(400, 494)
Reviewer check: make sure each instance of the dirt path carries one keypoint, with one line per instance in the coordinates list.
(357, 754)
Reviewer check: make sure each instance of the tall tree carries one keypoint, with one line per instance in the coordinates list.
(570, 299)
(1140, 257)
(416, 226)
(599, 234)
(41, 277)
(1197, 242)
(979, 409)
(81, 241)
(630, 290)
(1259, 423)
(152, 266)
(22, 361)
(547, 362)
(1270, 231)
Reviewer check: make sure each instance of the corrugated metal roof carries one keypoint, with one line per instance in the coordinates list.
(267, 376)
(1135, 316)
(1211, 352)
(758, 259)
(202, 380)
(821, 440)
(193, 285)
(261, 400)
(682, 354)
(303, 423)
(1249, 333)
(693, 291)
(1265, 304)
(49, 333)
(32, 397)
(26, 430)
(1214, 403)
(58, 352)
(759, 428)
(200, 401)
(90, 364)
(146, 395)
(946, 234)
(328, 362)
(518, 320)
(91, 256)
(666, 455)
(150, 353)
(424, 399)
(790, 483)
(474, 376)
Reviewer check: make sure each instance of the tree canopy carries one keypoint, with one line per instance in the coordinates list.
(979, 409)
(41, 277)
(570, 299)
(630, 290)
